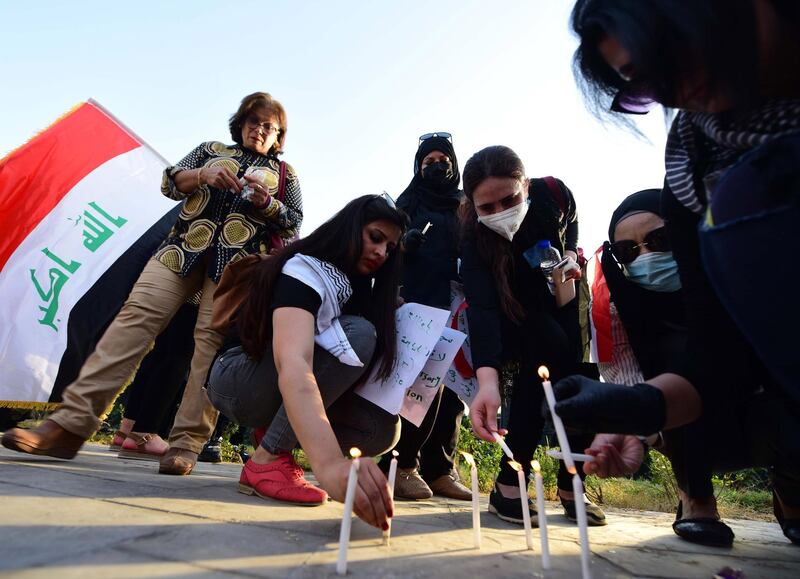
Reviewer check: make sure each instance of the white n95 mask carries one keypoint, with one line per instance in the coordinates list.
(506, 223)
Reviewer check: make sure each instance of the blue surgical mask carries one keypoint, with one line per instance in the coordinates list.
(656, 271)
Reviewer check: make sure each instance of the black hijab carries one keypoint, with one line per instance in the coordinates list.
(654, 321)
(446, 197)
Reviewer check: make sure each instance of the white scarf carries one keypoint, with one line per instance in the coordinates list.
(334, 288)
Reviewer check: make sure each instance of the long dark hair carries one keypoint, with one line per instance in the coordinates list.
(337, 241)
(495, 161)
(667, 39)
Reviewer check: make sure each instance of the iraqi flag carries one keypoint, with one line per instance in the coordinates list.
(81, 215)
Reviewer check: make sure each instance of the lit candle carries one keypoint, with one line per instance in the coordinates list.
(583, 527)
(344, 533)
(428, 225)
(476, 514)
(503, 445)
(537, 475)
(575, 456)
(392, 475)
(523, 499)
(561, 434)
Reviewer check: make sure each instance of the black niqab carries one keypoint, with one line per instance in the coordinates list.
(420, 192)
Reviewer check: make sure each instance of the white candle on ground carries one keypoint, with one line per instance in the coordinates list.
(523, 499)
(428, 225)
(392, 476)
(577, 457)
(476, 513)
(503, 445)
(583, 526)
(542, 515)
(350, 495)
(561, 434)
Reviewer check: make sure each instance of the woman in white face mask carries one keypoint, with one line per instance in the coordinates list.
(515, 323)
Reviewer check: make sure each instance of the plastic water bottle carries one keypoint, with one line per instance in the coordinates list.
(549, 257)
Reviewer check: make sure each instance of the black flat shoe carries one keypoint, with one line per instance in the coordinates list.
(595, 517)
(510, 510)
(790, 527)
(702, 530)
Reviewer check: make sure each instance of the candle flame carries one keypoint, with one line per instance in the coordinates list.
(544, 373)
(536, 466)
(515, 465)
(468, 457)
(395, 453)
(354, 452)
(571, 470)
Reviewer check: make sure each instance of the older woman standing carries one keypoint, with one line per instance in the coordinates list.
(217, 225)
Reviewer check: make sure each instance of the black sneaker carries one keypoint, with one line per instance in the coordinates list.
(511, 509)
(212, 451)
(595, 517)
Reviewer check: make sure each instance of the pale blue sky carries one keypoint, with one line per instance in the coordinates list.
(360, 82)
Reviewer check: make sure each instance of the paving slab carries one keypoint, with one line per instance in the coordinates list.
(101, 516)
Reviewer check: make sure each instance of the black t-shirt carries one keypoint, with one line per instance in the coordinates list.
(289, 292)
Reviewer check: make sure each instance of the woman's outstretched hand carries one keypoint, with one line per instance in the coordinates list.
(614, 455)
(372, 503)
(483, 412)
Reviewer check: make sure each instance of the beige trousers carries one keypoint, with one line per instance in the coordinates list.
(154, 299)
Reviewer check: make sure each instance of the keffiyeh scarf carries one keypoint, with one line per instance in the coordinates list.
(334, 288)
(707, 144)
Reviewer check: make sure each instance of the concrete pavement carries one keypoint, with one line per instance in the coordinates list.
(100, 516)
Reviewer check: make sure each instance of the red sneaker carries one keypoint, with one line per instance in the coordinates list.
(281, 480)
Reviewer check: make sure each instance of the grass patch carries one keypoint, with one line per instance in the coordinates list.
(740, 495)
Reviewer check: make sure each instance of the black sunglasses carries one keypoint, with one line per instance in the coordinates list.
(441, 134)
(626, 250)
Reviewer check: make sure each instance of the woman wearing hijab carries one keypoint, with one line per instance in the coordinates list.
(642, 313)
(431, 200)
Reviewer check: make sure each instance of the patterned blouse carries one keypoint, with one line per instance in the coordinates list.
(221, 222)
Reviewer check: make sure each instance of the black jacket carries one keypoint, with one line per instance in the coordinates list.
(548, 334)
(428, 270)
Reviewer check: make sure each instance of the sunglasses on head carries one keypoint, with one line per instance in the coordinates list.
(626, 250)
(441, 134)
(388, 198)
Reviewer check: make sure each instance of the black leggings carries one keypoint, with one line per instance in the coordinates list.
(525, 427)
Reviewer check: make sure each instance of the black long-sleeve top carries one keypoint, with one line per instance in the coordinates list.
(547, 330)
(427, 272)
(557, 216)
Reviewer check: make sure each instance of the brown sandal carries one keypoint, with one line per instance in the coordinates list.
(116, 447)
(139, 453)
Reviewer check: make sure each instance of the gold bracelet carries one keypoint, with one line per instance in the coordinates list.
(199, 173)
